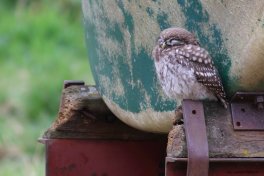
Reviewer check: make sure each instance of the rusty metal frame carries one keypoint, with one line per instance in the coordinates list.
(247, 110)
(80, 148)
(197, 144)
(197, 163)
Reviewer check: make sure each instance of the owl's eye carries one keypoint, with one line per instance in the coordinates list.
(159, 40)
(174, 42)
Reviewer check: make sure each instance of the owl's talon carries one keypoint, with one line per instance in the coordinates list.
(179, 122)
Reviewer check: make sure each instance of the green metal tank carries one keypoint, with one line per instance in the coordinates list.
(120, 36)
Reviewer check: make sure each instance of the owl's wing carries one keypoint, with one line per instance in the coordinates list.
(199, 60)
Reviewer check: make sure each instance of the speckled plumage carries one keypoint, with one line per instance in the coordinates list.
(184, 69)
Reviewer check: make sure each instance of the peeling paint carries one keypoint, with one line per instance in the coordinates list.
(115, 87)
(120, 36)
(147, 120)
(242, 29)
(148, 17)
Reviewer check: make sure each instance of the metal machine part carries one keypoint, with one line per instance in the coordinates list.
(87, 139)
(198, 161)
(248, 110)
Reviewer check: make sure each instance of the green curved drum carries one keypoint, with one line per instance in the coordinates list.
(120, 35)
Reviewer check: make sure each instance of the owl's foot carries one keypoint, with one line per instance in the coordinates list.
(178, 118)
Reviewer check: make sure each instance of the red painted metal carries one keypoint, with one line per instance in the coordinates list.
(67, 157)
(99, 154)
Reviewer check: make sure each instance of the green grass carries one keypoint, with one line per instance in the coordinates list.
(20, 154)
(41, 44)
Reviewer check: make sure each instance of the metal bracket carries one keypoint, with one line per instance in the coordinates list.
(248, 110)
(197, 144)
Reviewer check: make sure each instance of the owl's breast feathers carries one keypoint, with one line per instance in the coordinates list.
(189, 59)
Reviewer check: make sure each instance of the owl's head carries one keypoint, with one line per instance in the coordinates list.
(176, 37)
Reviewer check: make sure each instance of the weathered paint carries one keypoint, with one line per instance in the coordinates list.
(120, 36)
(156, 121)
(100, 157)
(242, 27)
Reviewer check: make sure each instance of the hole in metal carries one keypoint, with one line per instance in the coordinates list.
(243, 110)
(238, 124)
(193, 111)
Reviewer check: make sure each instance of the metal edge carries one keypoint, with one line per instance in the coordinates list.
(215, 160)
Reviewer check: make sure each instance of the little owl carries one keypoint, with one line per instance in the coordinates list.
(184, 69)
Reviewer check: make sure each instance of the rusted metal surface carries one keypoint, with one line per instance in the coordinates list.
(71, 157)
(195, 131)
(219, 166)
(84, 115)
(247, 111)
(104, 146)
(223, 140)
(194, 124)
(88, 140)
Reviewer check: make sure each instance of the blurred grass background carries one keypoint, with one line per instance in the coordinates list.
(41, 44)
